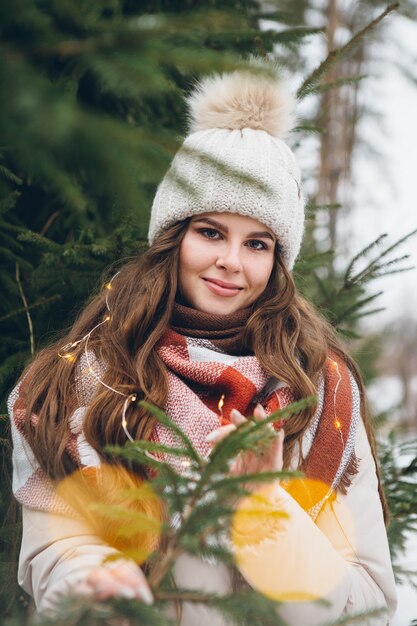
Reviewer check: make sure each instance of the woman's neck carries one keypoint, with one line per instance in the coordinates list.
(223, 331)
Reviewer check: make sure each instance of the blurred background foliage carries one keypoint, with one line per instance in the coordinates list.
(92, 112)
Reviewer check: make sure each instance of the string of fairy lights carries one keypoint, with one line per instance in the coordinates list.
(67, 354)
(337, 423)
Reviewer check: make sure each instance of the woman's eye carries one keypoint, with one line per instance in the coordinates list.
(210, 233)
(255, 244)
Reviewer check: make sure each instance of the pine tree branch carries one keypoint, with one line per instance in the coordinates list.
(183, 596)
(336, 84)
(163, 419)
(252, 478)
(6, 173)
(29, 307)
(358, 305)
(348, 273)
(26, 308)
(9, 202)
(374, 267)
(311, 80)
(51, 219)
(308, 127)
(174, 548)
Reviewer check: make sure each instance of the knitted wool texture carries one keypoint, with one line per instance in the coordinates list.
(236, 160)
(224, 332)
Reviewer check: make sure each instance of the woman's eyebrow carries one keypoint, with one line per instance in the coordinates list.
(262, 233)
(207, 220)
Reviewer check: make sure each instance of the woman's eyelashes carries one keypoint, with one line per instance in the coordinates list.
(209, 233)
(212, 233)
(256, 244)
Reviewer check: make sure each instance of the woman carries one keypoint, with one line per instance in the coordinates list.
(210, 306)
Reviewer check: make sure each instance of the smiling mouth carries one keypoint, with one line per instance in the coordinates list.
(227, 290)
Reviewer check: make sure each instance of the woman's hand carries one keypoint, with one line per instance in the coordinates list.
(119, 580)
(269, 460)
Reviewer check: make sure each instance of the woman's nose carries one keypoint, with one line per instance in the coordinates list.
(230, 259)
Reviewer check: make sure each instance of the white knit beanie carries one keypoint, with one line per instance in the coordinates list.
(235, 159)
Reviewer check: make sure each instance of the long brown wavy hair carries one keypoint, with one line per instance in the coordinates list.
(286, 333)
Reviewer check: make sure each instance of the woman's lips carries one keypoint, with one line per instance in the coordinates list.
(220, 290)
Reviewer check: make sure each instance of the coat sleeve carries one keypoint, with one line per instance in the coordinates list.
(342, 560)
(57, 552)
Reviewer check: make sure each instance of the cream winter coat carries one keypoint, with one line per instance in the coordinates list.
(345, 553)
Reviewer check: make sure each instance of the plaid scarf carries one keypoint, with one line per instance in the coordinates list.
(200, 372)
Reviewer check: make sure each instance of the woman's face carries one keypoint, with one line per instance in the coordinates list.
(225, 262)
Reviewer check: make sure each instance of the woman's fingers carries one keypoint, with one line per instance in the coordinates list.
(101, 582)
(122, 581)
(220, 433)
(82, 589)
(98, 576)
(259, 413)
(134, 579)
(270, 459)
(237, 418)
(278, 451)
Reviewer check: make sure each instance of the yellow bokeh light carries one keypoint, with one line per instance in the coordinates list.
(270, 535)
(117, 505)
(255, 519)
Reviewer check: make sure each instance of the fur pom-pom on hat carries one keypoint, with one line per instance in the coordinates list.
(242, 99)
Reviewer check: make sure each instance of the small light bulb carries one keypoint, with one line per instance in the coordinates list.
(338, 424)
(67, 356)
